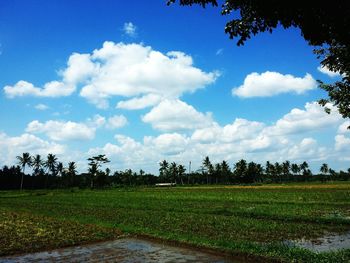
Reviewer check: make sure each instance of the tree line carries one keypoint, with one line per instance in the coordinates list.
(50, 173)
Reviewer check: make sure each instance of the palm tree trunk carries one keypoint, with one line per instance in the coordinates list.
(22, 178)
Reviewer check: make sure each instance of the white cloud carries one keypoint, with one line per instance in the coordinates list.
(10, 147)
(273, 83)
(168, 143)
(342, 142)
(343, 128)
(79, 68)
(50, 89)
(139, 102)
(240, 129)
(311, 119)
(325, 70)
(308, 150)
(286, 139)
(116, 122)
(96, 121)
(134, 71)
(129, 29)
(41, 107)
(61, 130)
(174, 115)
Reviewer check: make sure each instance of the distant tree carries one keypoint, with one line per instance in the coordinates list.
(59, 168)
(269, 170)
(24, 160)
(72, 168)
(304, 165)
(324, 168)
(295, 169)
(71, 173)
(92, 170)
(240, 170)
(286, 169)
(218, 173)
(332, 173)
(322, 25)
(225, 170)
(181, 172)
(173, 170)
(278, 169)
(51, 163)
(208, 167)
(37, 164)
(95, 163)
(163, 170)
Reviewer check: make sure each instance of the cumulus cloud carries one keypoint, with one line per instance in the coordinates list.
(50, 89)
(116, 121)
(329, 73)
(240, 129)
(312, 118)
(342, 142)
(10, 147)
(61, 130)
(41, 107)
(139, 102)
(174, 115)
(129, 29)
(168, 143)
(273, 83)
(343, 128)
(134, 71)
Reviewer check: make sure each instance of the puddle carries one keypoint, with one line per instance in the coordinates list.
(121, 250)
(326, 243)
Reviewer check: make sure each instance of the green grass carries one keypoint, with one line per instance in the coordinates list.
(241, 220)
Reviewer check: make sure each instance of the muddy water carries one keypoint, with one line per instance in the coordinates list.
(326, 243)
(122, 250)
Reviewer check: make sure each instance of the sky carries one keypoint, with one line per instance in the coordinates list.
(140, 82)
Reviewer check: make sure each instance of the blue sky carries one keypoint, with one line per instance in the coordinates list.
(146, 82)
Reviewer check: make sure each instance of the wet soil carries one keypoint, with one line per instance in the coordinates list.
(122, 250)
(330, 242)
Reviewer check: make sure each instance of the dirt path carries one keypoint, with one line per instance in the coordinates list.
(122, 250)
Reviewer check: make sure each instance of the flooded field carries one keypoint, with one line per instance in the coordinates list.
(122, 250)
(331, 242)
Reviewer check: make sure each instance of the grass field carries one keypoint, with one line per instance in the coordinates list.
(243, 220)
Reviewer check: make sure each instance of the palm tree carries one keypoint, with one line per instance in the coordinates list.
(92, 171)
(37, 164)
(208, 167)
(173, 171)
(59, 168)
(225, 169)
(95, 163)
(295, 168)
(324, 168)
(72, 168)
(181, 170)
(218, 172)
(51, 163)
(163, 170)
(24, 160)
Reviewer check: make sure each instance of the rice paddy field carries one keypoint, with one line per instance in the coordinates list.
(249, 221)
